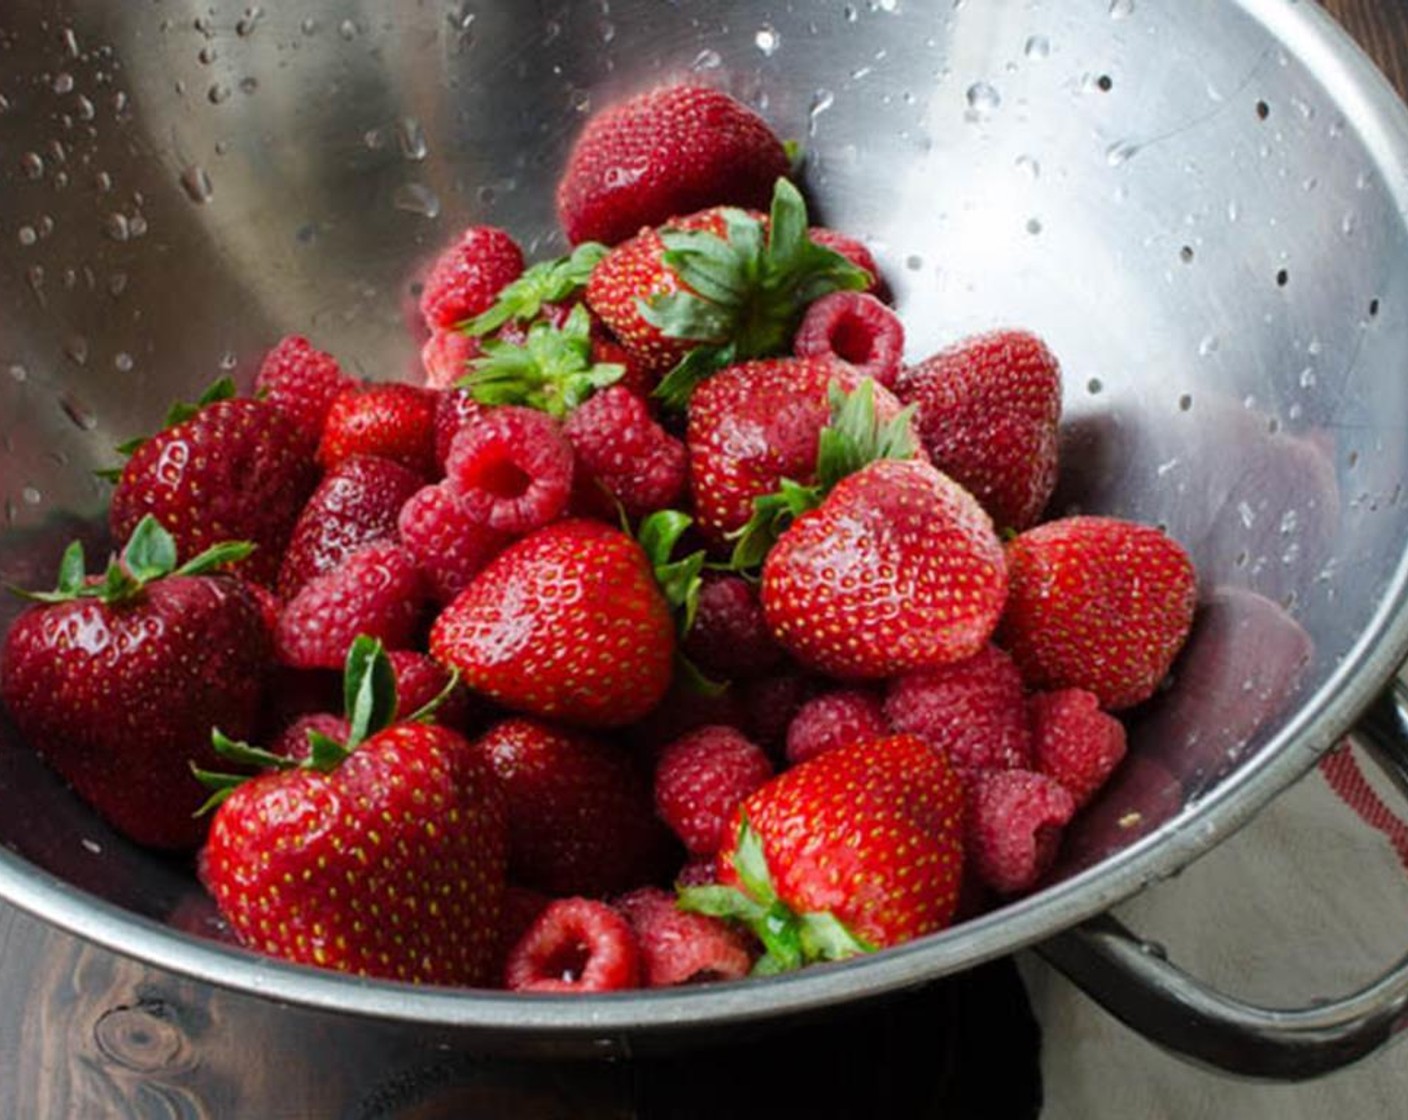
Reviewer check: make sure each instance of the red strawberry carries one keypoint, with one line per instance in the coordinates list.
(575, 945)
(378, 590)
(988, 413)
(117, 682)
(301, 382)
(567, 623)
(356, 503)
(858, 254)
(236, 469)
(701, 779)
(579, 813)
(667, 152)
(835, 719)
(1097, 603)
(899, 568)
(720, 286)
(758, 423)
(973, 710)
(1074, 741)
(859, 848)
(389, 420)
(466, 278)
(382, 858)
(677, 947)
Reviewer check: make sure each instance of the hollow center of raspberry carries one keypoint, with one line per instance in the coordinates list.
(568, 961)
(852, 340)
(502, 478)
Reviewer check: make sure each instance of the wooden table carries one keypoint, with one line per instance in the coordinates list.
(85, 1034)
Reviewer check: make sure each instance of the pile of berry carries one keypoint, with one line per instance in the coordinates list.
(674, 629)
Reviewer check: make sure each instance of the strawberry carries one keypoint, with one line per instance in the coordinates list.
(665, 152)
(301, 382)
(579, 813)
(116, 681)
(759, 423)
(466, 278)
(858, 849)
(716, 287)
(567, 623)
(389, 419)
(356, 503)
(898, 569)
(225, 469)
(381, 857)
(988, 413)
(1097, 603)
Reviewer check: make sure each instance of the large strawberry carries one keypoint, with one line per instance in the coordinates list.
(1098, 603)
(384, 856)
(899, 568)
(224, 469)
(857, 849)
(988, 413)
(757, 424)
(567, 623)
(715, 287)
(662, 153)
(117, 680)
(580, 815)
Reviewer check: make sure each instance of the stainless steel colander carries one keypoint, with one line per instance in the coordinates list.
(1201, 204)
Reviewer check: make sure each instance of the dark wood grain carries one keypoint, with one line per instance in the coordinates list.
(1381, 28)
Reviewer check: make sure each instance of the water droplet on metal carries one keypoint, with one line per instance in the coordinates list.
(117, 284)
(1121, 9)
(86, 109)
(249, 85)
(1037, 47)
(983, 98)
(63, 82)
(207, 55)
(347, 29)
(1034, 226)
(707, 60)
(417, 198)
(218, 94)
(245, 26)
(1029, 165)
(70, 41)
(228, 360)
(31, 495)
(195, 181)
(76, 347)
(767, 40)
(411, 138)
(118, 227)
(1348, 223)
(83, 417)
(123, 362)
(1209, 345)
(1121, 152)
(27, 236)
(32, 164)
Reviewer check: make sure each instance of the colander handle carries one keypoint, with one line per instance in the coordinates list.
(1169, 1007)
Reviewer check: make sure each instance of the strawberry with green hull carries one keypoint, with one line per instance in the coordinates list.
(116, 681)
(858, 849)
(223, 469)
(714, 288)
(384, 856)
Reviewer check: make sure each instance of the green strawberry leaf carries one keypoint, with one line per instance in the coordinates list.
(552, 371)
(824, 937)
(150, 552)
(751, 864)
(369, 689)
(679, 580)
(216, 556)
(694, 677)
(545, 282)
(772, 514)
(325, 754)
(701, 363)
(718, 901)
(73, 571)
(247, 755)
(855, 437)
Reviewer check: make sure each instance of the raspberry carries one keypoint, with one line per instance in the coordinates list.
(450, 544)
(512, 469)
(445, 357)
(356, 502)
(466, 278)
(301, 382)
(772, 702)
(454, 410)
(636, 460)
(575, 945)
(1014, 822)
(678, 947)
(974, 711)
(855, 252)
(701, 779)
(293, 741)
(1074, 741)
(856, 328)
(419, 680)
(389, 420)
(834, 719)
(378, 590)
(730, 638)
(698, 871)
